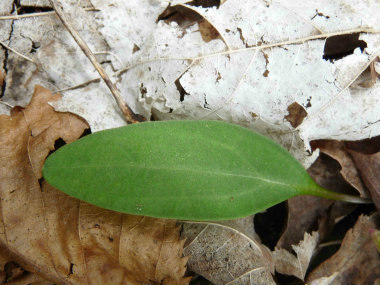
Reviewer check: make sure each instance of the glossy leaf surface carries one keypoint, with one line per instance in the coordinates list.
(190, 170)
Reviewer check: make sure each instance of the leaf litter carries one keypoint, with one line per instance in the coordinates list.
(357, 261)
(61, 238)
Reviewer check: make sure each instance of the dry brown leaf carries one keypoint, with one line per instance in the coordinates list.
(357, 261)
(336, 149)
(12, 273)
(308, 213)
(366, 146)
(226, 254)
(61, 238)
(289, 264)
(369, 169)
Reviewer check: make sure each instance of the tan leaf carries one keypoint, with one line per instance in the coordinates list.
(61, 238)
(225, 254)
(357, 261)
(287, 263)
(12, 273)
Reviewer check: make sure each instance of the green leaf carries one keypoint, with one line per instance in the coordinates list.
(190, 170)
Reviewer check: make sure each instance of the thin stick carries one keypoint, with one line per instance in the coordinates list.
(78, 85)
(16, 52)
(17, 17)
(32, 15)
(6, 104)
(128, 113)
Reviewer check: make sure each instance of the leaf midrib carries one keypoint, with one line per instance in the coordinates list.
(186, 170)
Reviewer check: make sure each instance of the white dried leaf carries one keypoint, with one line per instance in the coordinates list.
(4, 109)
(267, 56)
(287, 263)
(226, 253)
(377, 67)
(264, 56)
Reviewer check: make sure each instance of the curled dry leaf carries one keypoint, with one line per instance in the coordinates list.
(369, 169)
(357, 261)
(226, 254)
(287, 263)
(61, 238)
(336, 150)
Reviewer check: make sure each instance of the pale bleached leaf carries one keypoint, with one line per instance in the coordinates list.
(227, 253)
(287, 263)
(245, 63)
(267, 56)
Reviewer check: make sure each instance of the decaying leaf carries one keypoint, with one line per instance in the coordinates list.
(307, 214)
(336, 149)
(267, 56)
(360, 163)
(369, 169)
(65, 240)
(259, 57)
(373, 75)
(12, 273)
(58, 62)
(224, 253)
(287, 263)
(357, 261)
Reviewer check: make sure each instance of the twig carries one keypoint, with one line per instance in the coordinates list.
(32, 15)
(17, 17)
(16, 52)
(78, 85)
(128, 113)
(6, 104)
(330, 243)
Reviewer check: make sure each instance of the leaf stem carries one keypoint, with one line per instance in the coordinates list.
(324, 193)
